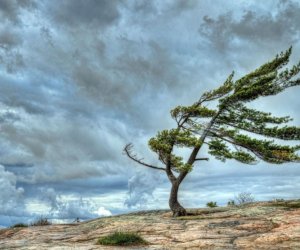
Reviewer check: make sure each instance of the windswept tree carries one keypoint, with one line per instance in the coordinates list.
(229, 128)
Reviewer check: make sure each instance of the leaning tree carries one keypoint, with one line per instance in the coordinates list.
(229, 128)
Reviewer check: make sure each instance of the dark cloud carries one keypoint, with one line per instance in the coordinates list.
(91, 13)
(10, 56)
(144, 10)
(11, 14)
(139, 69)
(96, 186)
(154, 69)
(184, 5)
(25, 95)
(46, 34)
(144, 6)
(7, 116)
(253, 28)
(11, 9)
(9, 39)
(80, 79)
(61, 150)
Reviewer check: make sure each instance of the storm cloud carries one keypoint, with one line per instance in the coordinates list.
(80, 79)
(12, 194)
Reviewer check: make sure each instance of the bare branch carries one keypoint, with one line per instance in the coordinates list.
(201, 159)
(128, 152)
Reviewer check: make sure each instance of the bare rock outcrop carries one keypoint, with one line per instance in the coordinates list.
(264, 225)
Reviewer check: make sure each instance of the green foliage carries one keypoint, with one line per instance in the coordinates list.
(267, 150)
(178, 164)
(231, 203)
(221, 151)
(165, 139)
(122, 239)
(240, 113)
(192, 111)
(251, 90)
(257, 122)
(163, 144)
(19, 225)
(230, 128)
(232, 118)
(211, 204)
(264, 81)
(224, 89)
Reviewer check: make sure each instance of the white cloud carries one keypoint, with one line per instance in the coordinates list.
(70, 208)
(140, 189)
(11, 195)
(103, 212)
(13, 207)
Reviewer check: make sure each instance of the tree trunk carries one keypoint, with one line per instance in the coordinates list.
(175, 206)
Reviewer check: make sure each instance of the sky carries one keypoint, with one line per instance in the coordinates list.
(81, 79)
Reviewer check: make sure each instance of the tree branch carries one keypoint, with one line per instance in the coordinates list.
(196, 149)
(133, 157)
(239, 144)
(201, 159)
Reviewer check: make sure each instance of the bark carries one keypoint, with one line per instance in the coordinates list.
(175, 206)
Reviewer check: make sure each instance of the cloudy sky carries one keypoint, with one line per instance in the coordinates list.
(80, 79)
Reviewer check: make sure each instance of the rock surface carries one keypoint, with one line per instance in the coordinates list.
(264, 225)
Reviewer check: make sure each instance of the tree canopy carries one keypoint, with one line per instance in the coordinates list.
(231, 130)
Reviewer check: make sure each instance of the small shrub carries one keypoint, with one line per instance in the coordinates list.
(231, 203)
(41, 222)
(287, 204)
(19, 225)
(243, 198)
(122, 239)
(278, 200)
(211, 204)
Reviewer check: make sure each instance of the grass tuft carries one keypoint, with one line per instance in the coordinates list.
(122, 239)
(19, 225)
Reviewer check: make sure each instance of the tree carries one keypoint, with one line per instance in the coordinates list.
(229, 128)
